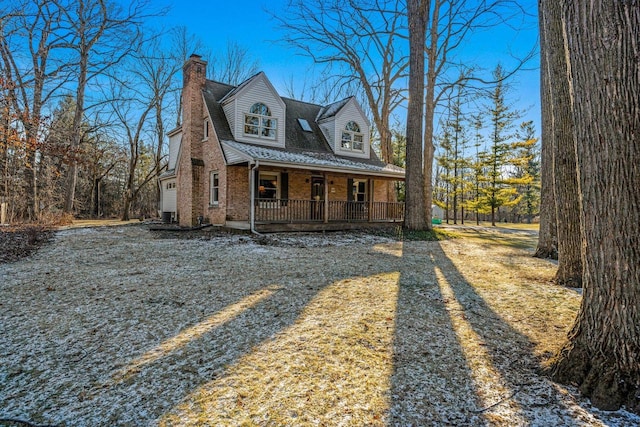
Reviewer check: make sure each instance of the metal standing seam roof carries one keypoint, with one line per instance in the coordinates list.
(242, 152)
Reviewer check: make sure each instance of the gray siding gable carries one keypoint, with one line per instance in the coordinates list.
(297, 140)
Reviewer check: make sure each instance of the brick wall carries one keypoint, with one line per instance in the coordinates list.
(199, 158)
(238, 193)
(213, 162)
(190, 172)
(300, 186)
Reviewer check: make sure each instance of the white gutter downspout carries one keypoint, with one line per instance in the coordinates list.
(252, 210)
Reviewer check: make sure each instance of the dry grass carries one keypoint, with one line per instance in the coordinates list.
(83, 223)
(333, 363)
(335, 329)
(515, 286)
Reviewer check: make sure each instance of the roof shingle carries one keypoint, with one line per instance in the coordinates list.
(301, 148)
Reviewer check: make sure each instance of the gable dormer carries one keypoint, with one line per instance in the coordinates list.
(346, 128)
(255, 112)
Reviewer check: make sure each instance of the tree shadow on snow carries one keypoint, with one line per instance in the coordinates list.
(457, 361)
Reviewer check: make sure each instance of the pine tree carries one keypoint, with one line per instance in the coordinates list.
(500, 190)
(442, 188)
(527, 169)
(458, 161)
(477, 168)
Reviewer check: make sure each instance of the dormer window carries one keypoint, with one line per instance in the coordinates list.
(259, 123)
(352, 138)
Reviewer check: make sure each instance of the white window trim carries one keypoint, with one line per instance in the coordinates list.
(260, 125)
(212, 202)
(352, 134)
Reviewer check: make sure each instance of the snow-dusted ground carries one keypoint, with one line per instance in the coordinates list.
(115, 326)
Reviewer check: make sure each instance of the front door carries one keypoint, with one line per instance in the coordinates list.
(317, 198)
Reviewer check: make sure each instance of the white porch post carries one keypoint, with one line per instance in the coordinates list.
(252, 192)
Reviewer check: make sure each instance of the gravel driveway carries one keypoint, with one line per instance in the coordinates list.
(118, 326)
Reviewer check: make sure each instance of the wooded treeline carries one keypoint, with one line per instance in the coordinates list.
(89, 91)
(487, 166)
(78, 80)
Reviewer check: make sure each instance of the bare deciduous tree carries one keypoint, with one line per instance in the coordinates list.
(233, 66)
(360, 41)
(139, 90)
(101, 33)
(131, 107)
(29, 39)
(449, 25)
(603, 347)
(548, 235)
(565, 179)
(183, 45)
(418, 12)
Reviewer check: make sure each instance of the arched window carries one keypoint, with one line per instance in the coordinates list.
(352, 138)
(259, 123)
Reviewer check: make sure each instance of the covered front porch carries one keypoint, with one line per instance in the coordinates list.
(292, 214)
(306, 200)
(309, 191)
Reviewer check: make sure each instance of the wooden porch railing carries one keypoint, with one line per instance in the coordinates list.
(292, 210)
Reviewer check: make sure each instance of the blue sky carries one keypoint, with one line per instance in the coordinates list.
(246, 22)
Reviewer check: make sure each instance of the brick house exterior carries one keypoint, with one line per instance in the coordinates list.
(244, 156)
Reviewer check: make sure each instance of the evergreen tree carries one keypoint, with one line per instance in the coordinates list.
(449, 194)
(477, 168)
(501, 187)
(527, 169)
(442, 188)
(458, 161)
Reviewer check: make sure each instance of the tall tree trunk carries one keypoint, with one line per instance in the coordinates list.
(603, 348)
(31, 186)
(565, 177)
(548, 234)
(430, 106)
(126, 206)
(159, 147)
(414, 198)
(31, 167)
(84, 47)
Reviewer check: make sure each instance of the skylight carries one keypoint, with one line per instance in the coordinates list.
(304, 124)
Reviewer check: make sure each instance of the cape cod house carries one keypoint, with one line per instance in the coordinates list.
(246, 157)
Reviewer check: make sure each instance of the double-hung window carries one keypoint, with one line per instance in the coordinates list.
(259, 123)
(214, 188)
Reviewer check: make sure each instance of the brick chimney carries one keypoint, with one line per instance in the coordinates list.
(191, 166)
